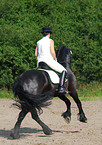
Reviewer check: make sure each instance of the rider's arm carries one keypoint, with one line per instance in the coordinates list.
(36, 51)
(52, 50)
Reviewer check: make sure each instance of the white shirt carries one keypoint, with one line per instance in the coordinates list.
(44, 53)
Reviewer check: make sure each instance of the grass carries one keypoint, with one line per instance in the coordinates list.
(5, 94)
(92, 91)
(86, 92)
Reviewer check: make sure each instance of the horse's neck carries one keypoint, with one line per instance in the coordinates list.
(68, 62)
(67, 67)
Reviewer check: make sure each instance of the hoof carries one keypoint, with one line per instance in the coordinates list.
(66, 117)
(14, 136)
(82, 118)
(67, 120)
(47, 131)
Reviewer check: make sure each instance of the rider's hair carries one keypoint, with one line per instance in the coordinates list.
(45, 33)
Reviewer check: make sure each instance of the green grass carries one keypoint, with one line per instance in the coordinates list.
(88, 92)
(5, 94)
(92, 91)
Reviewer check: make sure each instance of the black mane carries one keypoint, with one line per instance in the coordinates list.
(64, 56)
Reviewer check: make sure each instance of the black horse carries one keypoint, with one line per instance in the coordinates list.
(34, 90)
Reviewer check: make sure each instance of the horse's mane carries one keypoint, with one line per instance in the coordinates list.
(58, 52)
(64, 55)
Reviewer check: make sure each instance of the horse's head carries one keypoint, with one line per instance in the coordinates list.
(64, 56)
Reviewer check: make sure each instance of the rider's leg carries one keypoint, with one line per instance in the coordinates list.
(55, 65)
(62, 81)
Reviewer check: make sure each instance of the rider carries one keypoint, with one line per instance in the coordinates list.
(45, 53)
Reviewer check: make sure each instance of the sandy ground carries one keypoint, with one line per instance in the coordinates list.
(75, 133)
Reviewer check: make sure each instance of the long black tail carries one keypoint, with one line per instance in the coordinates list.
(29, 101)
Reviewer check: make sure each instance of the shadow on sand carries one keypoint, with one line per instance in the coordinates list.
(26, 132)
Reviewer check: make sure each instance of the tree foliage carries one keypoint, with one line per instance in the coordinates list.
(74, 23)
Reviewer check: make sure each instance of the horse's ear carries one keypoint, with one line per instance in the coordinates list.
(71, 51)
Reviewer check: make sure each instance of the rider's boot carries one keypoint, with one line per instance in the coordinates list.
(62, 81)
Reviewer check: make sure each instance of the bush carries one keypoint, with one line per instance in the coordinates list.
(76, 24)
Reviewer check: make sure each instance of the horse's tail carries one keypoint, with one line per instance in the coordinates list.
(29, 101)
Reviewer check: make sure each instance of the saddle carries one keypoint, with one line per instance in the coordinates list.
(54, 76)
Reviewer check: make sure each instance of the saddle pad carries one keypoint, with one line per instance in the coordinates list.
(53, 76)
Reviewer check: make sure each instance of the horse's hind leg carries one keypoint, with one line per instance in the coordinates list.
(15, 131)
(81, 114)
(45, 128)
(66, 115)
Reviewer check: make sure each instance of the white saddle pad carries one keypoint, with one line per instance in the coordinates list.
(53, 76)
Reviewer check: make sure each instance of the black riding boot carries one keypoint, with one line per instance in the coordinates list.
(62, 81)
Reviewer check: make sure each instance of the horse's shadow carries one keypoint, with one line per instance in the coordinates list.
(26, 132)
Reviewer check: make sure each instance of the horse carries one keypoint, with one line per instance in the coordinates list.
(34, 90)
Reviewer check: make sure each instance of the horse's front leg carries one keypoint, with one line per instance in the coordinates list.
(81, 114)
(67, 114)
(15, 132)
